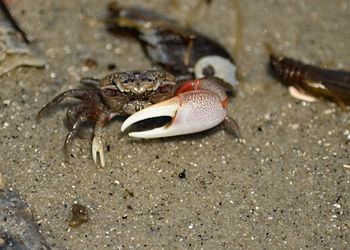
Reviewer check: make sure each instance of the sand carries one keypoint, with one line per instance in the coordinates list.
(284, 187)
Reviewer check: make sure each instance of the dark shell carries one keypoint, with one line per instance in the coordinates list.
(168, 44)
(315, 81)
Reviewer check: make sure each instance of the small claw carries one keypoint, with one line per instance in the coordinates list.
(191, 112)
(97, 150)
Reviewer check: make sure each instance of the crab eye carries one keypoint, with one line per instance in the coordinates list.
(150, 78)
(123, 79)
(217, 66)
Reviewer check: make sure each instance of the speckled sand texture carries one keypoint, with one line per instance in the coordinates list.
(286, 187)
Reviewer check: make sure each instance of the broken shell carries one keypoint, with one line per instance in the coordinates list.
(217, 66)
(15, 52)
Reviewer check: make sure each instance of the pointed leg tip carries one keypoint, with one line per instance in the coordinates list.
(67, 155)
(39, 116)
(231, 126)
(237, 134)
(38, 119)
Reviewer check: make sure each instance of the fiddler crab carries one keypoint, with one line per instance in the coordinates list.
(194, 106)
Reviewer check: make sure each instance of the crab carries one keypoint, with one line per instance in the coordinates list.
(194, 106)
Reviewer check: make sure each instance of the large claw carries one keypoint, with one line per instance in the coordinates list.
(191, 112)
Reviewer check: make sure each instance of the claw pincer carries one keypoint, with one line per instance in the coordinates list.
(199, 105)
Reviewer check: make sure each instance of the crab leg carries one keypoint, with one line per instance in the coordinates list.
(75, 93)
(97, 140)
(74, 130)
(191, 112)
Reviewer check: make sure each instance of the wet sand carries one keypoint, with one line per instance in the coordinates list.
(286, 187)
